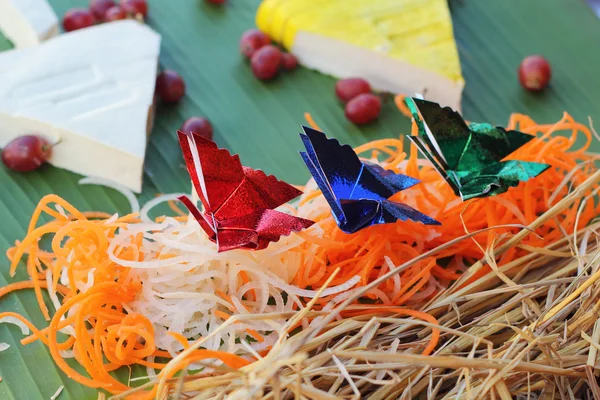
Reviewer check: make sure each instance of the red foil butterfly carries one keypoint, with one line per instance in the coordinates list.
(238, 201)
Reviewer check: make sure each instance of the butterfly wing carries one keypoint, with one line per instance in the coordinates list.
(447, 175)
(256, 193)
(257, 229)
(274, 224)
(489, 145)
(375, 212)
(238, 199)
(215, 173)
(365, 213)
(273, 192)
(498, 177)
(393, 211)
(386, 184)
(345, 175)
(335, 168)
(443, 130)
(231, 239)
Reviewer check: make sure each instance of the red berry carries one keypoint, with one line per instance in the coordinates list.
(135, 7)
(217, 2)
(266, 62)
(349, 88)
(535, 73)
(198, 125)
(114, 14)
(363, 109)
(170, 86)
(77, 18)
(26, 153)
(289, 61)
(100, 7)
(253, 40)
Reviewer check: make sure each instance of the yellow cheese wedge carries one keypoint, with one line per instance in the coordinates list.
(401, 46)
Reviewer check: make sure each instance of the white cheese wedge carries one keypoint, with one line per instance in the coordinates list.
(91, 93)
(26, 23)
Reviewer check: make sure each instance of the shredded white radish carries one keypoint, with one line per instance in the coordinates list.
(68, 353)
(189, 288)
(156, 201)
(17, 322)
(60, 210)
(111, 219)
(380, 294)
(424, 293)
(151, 372)
(14, 321)
(57, 393)
(190, 291)
(327, 292)
(83, 287)
(51, 291)
(395, 278)
(133, 201)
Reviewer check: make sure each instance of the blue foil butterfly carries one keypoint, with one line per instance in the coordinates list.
(356, 191)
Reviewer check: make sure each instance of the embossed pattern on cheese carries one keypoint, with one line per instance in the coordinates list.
(90, 91)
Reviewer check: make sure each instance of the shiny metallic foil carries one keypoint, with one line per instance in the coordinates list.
(357, 192)
(469, 157)
(238, 201)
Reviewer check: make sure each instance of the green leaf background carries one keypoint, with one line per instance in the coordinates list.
(261, 121)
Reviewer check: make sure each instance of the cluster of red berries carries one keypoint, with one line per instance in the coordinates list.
(266, 60)
(170, 87)
(535, 73)
(103, 11)
(361, 105)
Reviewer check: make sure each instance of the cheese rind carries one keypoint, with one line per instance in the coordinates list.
(90, 92)
(26, 23)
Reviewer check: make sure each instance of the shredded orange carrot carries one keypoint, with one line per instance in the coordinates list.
(364, 253)
(311, 121)
(257, 336)
(104, 336)
(399, 101)
(180, 338)
(173, 206)
(374, 310)
(245, 279)
(231, 360)
(223, 315)
(117, 338)
(13, 287)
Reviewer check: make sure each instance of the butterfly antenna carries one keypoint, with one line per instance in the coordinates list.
(197, 215)
(197, 164)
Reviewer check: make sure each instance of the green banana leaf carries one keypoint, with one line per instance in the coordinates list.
(261, 121)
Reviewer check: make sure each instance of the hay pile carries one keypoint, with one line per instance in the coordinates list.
(527, 330)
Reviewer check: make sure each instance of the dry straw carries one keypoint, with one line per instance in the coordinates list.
(529, 329)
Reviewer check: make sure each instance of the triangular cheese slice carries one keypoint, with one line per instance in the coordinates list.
(400, 46)
(91, 93)
(26, 23)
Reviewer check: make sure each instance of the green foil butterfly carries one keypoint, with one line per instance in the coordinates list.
(469, 157)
